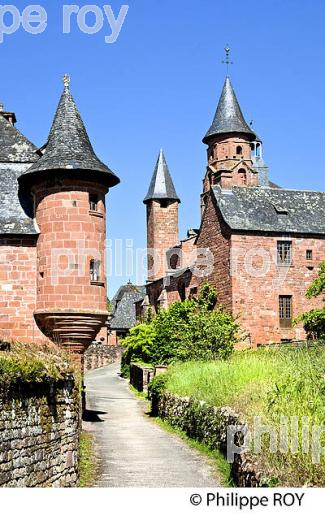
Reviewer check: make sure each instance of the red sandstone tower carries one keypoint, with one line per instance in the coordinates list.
(232, 145)
(162, 218)
(69, 184)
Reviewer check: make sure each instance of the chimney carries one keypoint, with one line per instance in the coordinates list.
(10, 116)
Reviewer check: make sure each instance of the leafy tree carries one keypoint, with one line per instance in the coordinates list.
(314, 320)
(318, 286)
(192, 329)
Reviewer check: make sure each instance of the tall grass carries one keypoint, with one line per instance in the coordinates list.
(269, 383)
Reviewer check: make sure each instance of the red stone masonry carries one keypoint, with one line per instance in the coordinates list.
(71, 235)
(162, 234)
(18, 289)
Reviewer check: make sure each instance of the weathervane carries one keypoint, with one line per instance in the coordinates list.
(227, 60)
(66, 80)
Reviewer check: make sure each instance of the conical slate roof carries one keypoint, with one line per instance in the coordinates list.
(161, 185)
(68, 146)
(228, 117)
(14, 147)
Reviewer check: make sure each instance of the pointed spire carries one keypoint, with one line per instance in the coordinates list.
(161, 185)
(68, 146)
(228, 117)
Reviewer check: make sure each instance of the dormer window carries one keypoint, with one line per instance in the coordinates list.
(239, 150)
(258, 150)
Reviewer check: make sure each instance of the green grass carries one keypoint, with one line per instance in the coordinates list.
(220, 465)
(88, 465)
(268, 383)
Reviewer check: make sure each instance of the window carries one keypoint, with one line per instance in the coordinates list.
(239, 150)
(258, 150)
(93, 202)
(285, 311)
(182, 291)
(309, 254)
(94, 270)
(284, 252)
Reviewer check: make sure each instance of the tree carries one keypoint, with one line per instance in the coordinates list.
(314, 320)
(192, 329)
(318, 286)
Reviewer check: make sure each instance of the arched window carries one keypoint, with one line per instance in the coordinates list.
(258, 150)
(242, 173)
(239, 150)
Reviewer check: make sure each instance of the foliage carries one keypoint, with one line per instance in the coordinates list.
(29, 363)
(139, 346)
(314, 323)
(192, 329)
(318, 286)
(314, 320)
(269, 383)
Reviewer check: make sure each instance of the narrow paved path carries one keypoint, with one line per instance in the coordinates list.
(132, 449)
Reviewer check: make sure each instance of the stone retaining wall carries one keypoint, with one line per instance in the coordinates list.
(208, 425)
(39, 435)
(99, 355)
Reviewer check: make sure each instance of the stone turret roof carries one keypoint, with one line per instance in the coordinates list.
(272, 210)
(161, 185)
(228, 117)
(68, 146)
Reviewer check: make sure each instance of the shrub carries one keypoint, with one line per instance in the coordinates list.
(191, 329)
(314, 320)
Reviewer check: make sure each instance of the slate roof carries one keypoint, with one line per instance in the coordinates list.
(125, 313)
(68, 146)
(17, 154)
(16, 210)
(14, 147)
(161, 185)
(272, 210)
(228, 117)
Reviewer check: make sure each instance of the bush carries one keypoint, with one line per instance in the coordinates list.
(314, 320)
(191, 329)
(314, 323)
(139, 346)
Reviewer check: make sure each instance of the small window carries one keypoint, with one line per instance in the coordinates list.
(285, 312)
(239, 150)
(258, 150)
(93, 202)
(94, 270)
(309, 254)
(284, 252)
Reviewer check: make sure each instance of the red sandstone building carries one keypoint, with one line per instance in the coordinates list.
(52, 232)
(261, 244)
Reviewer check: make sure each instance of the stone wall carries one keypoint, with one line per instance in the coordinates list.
(39, 435)
(140, 376)
(257, 283)
(18, 288)
(208, 425)
(99, 355)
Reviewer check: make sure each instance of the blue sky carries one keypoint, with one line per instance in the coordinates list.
(159, 84)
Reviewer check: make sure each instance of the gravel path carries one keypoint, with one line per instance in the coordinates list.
(132, 449)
